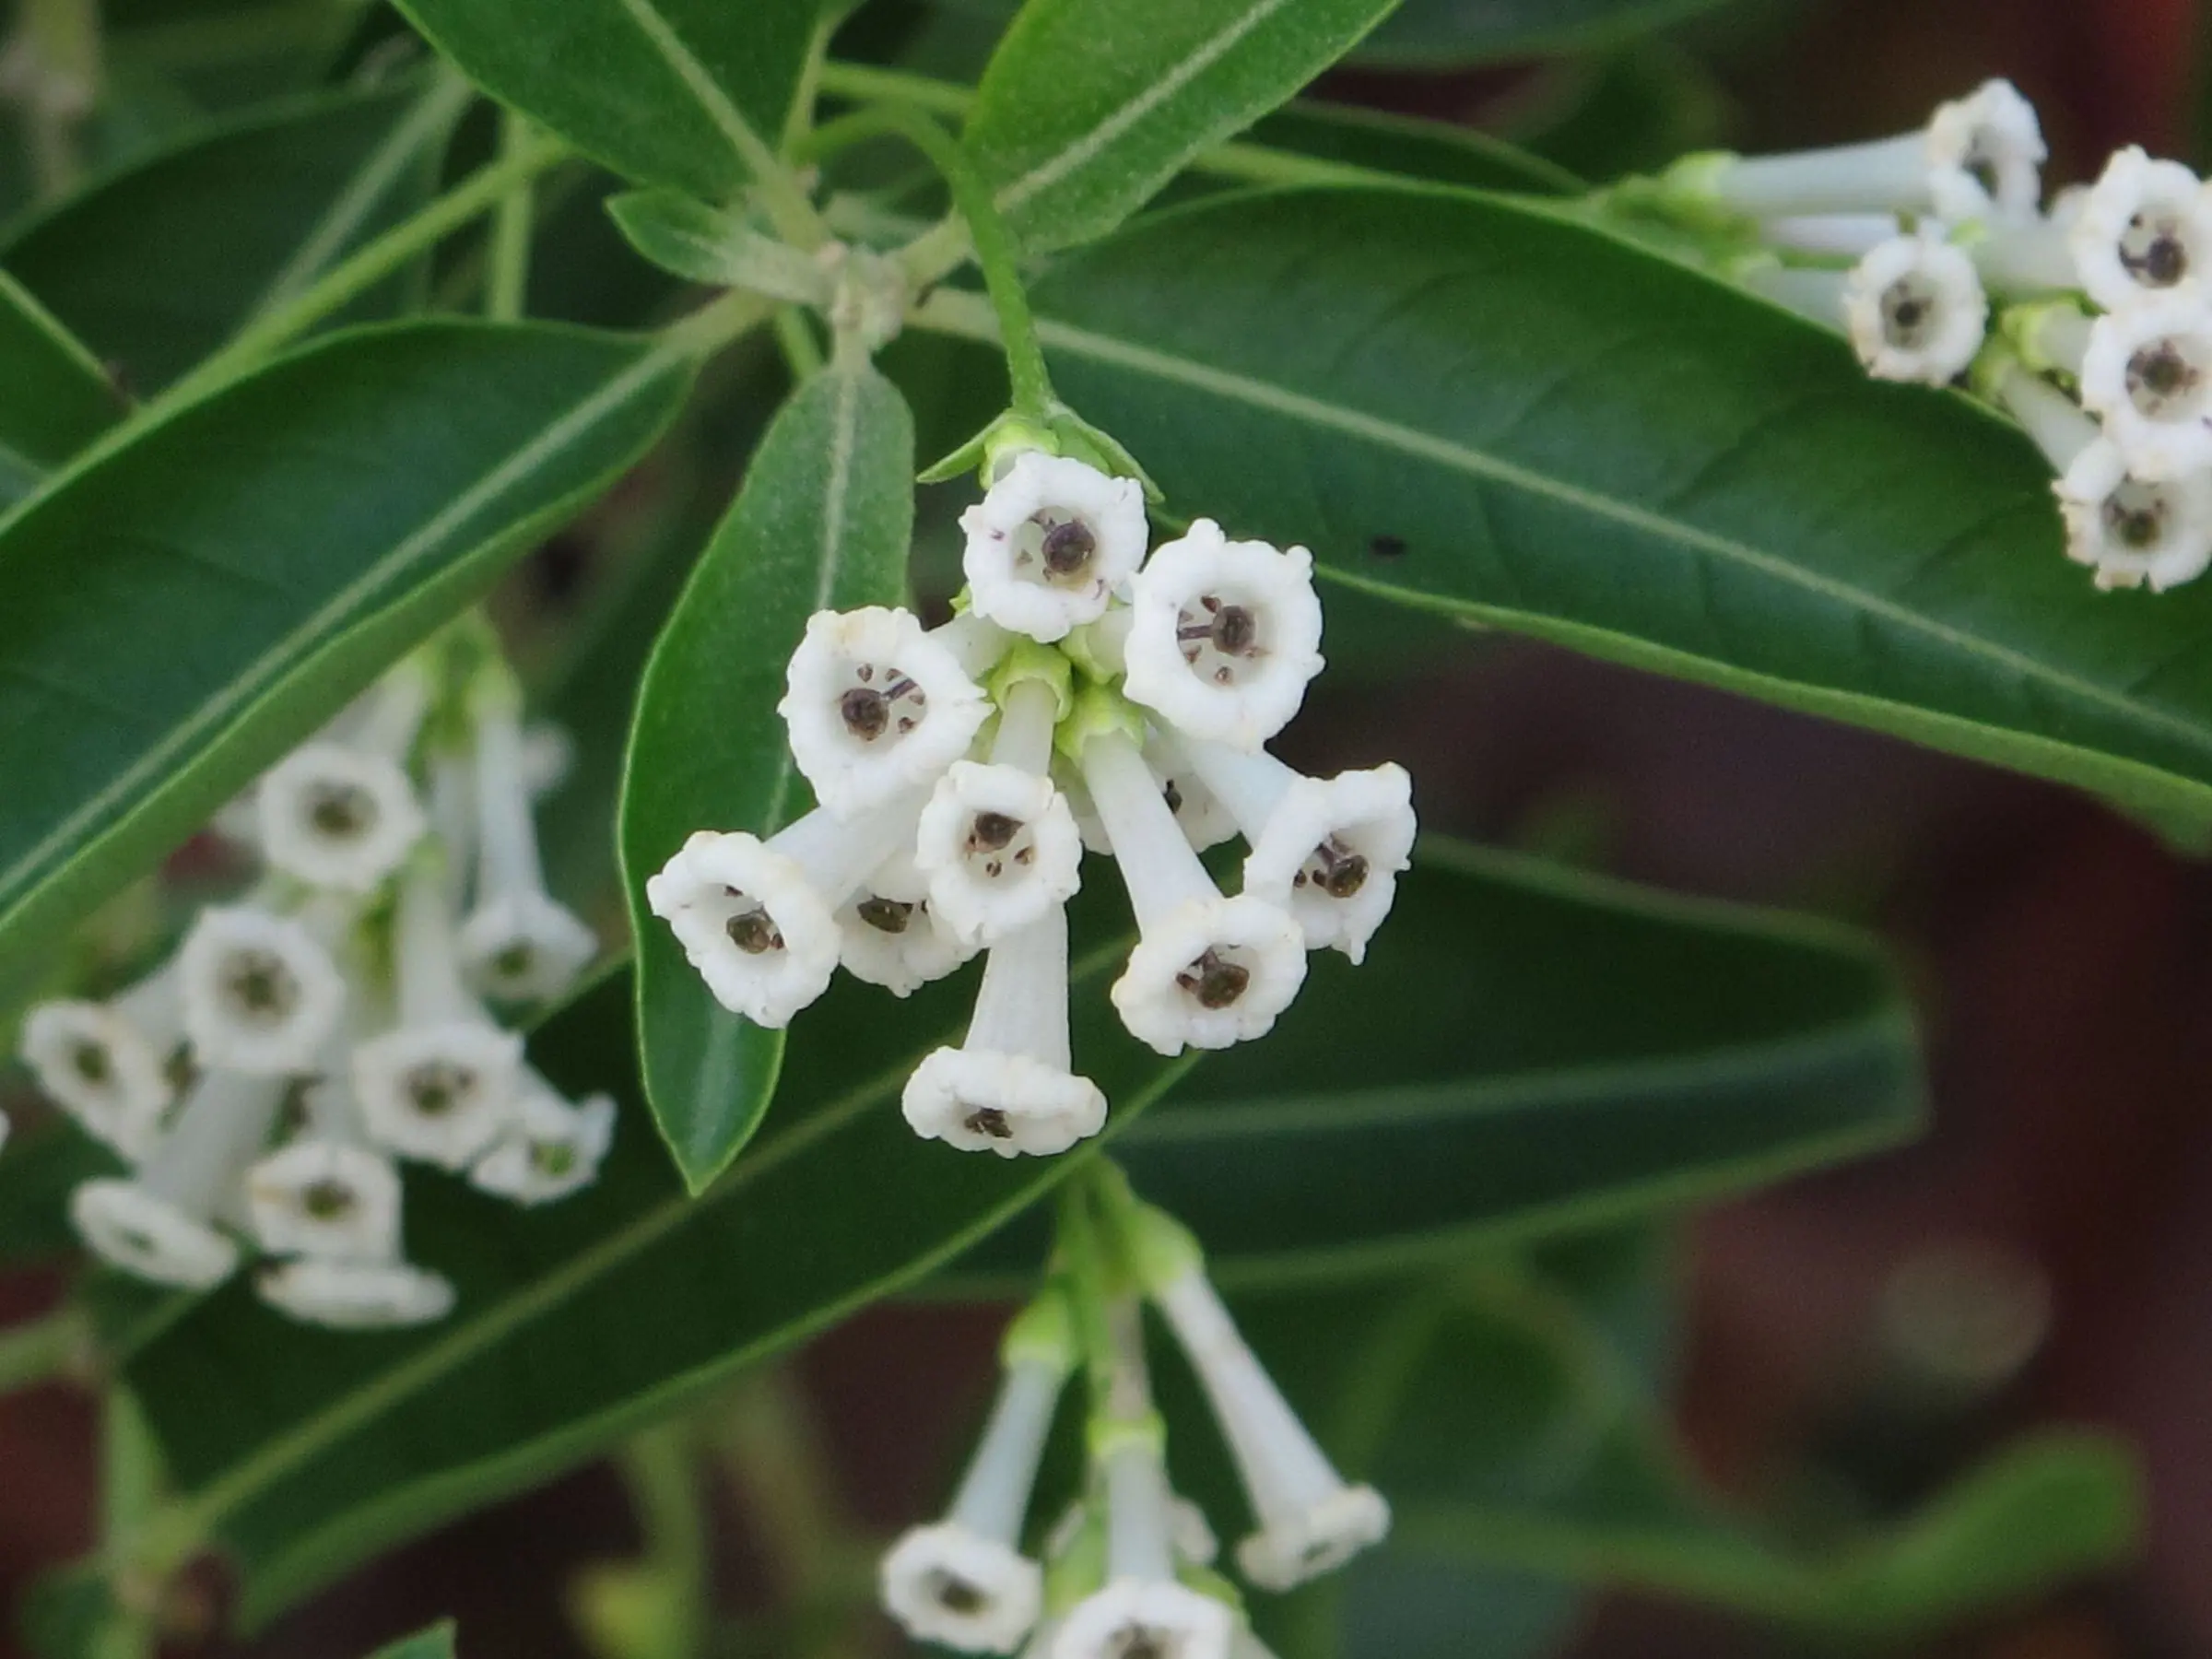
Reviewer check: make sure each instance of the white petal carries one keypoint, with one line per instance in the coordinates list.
(2131, 530)
(319, 1197)
(766, 943)
(947, 1585)
(979, 1100)
(335, 816)
(890, 936)
(1994, 134)
(356, 1296)
(261, 994)
(1178, 1623)
(874, 707)
(96, 1065)
(440, 1093)
(2145, 228)
(525, 947)
(1331, 855)
(1915, 310)
(1315, 1541)
(2148, 373)
(1050, 544)
(551, 1149)
(141, 1234)
(1213, 973)
(1000, 848)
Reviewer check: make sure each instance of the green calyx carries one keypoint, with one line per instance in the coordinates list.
(1026, 663)
(1098, 709)
(1061, 431)
(2025, 327)
(1043, 1334)
(1108, 1437)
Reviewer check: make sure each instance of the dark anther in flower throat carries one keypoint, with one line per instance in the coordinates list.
(1215, 980)
(1231, 629)
(327, 1200)
(91, 1061)
(2160, 373)
(866, 712)
(439, 1086)
(1339, 871)
(1171, 795)
(2153, 252)
(990, 831)
(1906, 311)
(1067, 549)
(955, 1595)
(1138, 1643)
(341, 811)
(754, 933)
(262, 985)
(513, 961)
(885, 915)
(2134, 516)
(989, 1121)
(1982, 168)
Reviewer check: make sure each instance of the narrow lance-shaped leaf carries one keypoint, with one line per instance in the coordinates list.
(306, 1451)
(158, 263)
(200, 591)
(1090, 106)
(1484, 409)
(822, 523)
(682, 92)
(55, 398)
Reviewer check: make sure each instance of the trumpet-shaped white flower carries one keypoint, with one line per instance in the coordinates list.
(1142, 1608)
(1978, 156)
(2144, 230)
(355, 1295)
(260, 992)
(1223, 636)
(1010, 1087)
(964, 1582)
(324, 1198)
(998, 841)
(759, 919)
(876, 707)
(890, 934)
(2053, 420)
(336, 817)
(519, 943)
(2148, 373)
(1915, 310)
(1329, 850)
(161, 1223)
(440, 1085)
(107, 1063)
(1207, 972)
(2133, 530)
(1310, 1521)
(551, 1149)
(1050, 543)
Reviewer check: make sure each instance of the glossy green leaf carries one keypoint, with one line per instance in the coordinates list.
(721, 246)
(37, 1173)
(437, 1642)
(588, 1318)
(158, 263)
(1437, 34)
(1485, 409)
(1435, 152)
(823, 523)
(55, 398)
(1090, 106)
(678, 92)
(201, 591)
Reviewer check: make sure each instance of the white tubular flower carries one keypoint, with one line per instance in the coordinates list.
(1143, 1610)
(1050, 544)
(2148, 373)
(2050, 336)
(759, 919)
(2023, 256)
(2144, 230)
(161, 1224)
(1310, 1522)
(891, 936)
(329, 1193)
(336, 817)
(1979, 155)
(1009, 1088)
(1915, 311)
(1206, 823)
(551, 1150)
(441, 1085)
(1223, 636)
(998, 841)
(261, 993)
(2132, 530)
(876, 707)
(2047, 415)
(1831, 235)
(355, 1295)
(1329, 850)
(964, 1582)
(107, 1063)
(520, 945)
(548, 757)
(1207, 972)
(1815, 295)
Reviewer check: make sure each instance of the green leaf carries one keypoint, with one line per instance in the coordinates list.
(1090, 106)
(38, 1172)
(202, 590)
(683, 235)
(692, 93)
(158, 263)
(1439, 34)
(1487, 410)
(1434, 152)
(580, 1322)
(437, 1642)
(823, 523)
(55, 398)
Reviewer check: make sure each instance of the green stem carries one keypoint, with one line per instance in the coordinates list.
(364, 269)
(507, 285)
(666, 1497)
(994, 256)
(130, 1489)
(41, 1349)
(61, 39)
(1091, 1291)
(802, 352)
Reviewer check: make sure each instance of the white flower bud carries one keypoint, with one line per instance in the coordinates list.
(1050, 543)
(2145, 229)
(2148, 373)
(551, 1149)
(355, 1295)
(1915, 311)
(890, 936)
(2132, 530)
(876, 707)
(335, 816)
(261, 993)
(1223, 636)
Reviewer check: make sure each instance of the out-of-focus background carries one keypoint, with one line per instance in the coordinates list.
(2045, 1254)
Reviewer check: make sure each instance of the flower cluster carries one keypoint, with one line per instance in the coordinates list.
(2103, 303)
(264, 1082)
(1128, 1570)
(1087, 696)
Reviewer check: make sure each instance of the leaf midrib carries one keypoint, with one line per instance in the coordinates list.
(660, 34)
